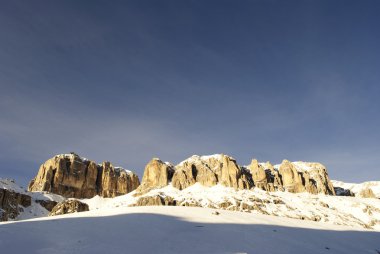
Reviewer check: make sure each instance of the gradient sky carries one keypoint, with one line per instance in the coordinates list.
(126, 81)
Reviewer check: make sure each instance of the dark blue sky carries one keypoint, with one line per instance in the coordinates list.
(126, 81)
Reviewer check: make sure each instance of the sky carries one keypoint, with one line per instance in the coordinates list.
(126, 81)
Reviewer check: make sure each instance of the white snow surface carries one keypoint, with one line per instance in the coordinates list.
(303, 166)
(70, 156)
(356, 188)
(170, 230)
(299, 165)
(123, 169)
(349, 211)
(197, 158)
(35, 210)
(10, 184)
(338, 210)
(212, 156)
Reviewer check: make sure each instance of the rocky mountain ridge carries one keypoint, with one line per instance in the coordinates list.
(223, 169)
(299, 190)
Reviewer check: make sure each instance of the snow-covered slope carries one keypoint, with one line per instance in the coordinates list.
(180, 230)
(10, 184)
(226, 221)
(356, 188)
(35, 209)
(325, 209)
(349, 211)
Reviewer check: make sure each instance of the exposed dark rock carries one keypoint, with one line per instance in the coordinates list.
(47, 204)
(69, 206)
(12, 202)
(343, 192)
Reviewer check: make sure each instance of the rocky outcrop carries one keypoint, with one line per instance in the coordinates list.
(183, 178)
(69, 206)
(157, 174)
(47, 204)
(301, 177)
(274, 180)
(367, 193)
(156, 200)
(291, 179)
(11, 203)
(209, 171)
(116, 181)
(231, 175)
(189, 172)
(291, 176)
(343, 192)
(74, 177)
(315, 177)
(259, 175)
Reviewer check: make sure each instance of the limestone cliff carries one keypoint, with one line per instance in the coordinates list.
(222, 169)
(259, 175)
(74, 177)
(315, 177)
(156, 174)
(209, 171)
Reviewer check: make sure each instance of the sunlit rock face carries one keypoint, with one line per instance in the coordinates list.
(69, 206)
(74, 177)
(273, 178)
(315, 177)
(259, 175)
(209, 171)
(222, 169)
(291, 178)
(156, 174)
